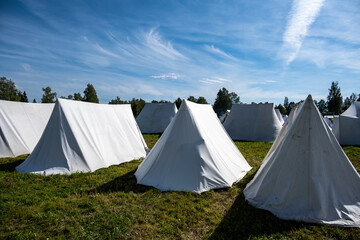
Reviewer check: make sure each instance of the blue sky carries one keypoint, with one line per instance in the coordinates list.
(262, 50)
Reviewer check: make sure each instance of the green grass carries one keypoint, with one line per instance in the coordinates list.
(108, 204)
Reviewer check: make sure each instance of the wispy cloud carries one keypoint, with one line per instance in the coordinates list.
(27, 67)
(166, 76)
(215, 80)
(303, 13)
(218, 51)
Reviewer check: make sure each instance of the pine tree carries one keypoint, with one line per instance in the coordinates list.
(48, 96)
(334, 98)
(90, 94)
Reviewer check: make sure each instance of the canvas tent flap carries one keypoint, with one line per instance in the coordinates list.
(155, 117)
(346, 127)
(21, 126)
(307, 177)
(194, 154)
(253, 122)
(83, 137)
(280, 117)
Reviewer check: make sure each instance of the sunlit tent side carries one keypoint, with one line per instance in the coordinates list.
(306, 176)
(83, 137)
(253, 122)
(194, 154)
(346, 126)
(280, 117)
(155, 117)
(21, 126)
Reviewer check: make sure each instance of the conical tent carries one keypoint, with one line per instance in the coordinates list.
(253, 122)
(21, 126)
(83, 137)
(306, 176)
(346, 127)
(155, 117)
(280, 117)
(194, 154)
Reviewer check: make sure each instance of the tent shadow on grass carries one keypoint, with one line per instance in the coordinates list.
(10, 166)
(124, 183)
(243, 221)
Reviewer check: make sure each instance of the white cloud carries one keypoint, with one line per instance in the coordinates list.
(218, 51)
(167, 76)
(303, 13)
(154, 42)
(215, 80)
(27, 67)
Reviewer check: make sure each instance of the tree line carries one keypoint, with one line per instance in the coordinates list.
(334, 104)
(224, 99)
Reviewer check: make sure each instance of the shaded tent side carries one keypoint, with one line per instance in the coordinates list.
(155, 117)
(253, 122)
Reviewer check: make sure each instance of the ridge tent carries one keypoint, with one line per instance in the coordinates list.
(21, 126)
(83, 137)
(346, 127)
(155, 117)
(194, 154)
(253, 122)
(278, 114)
(306, 175)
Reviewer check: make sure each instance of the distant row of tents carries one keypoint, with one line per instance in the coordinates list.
(305, 176)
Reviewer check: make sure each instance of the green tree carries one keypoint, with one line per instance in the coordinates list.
(117, 100)
(224, 101)
(235, 99)
(78, 97)
(321, 105)
(24, 97)
(334, 98)
(34, 100)
(48, 96)
(281, 109)
(178, 102)
(192, 99)
(137, 105)
(90, 94)
(201, 100)
(161, 101)
(8, 90)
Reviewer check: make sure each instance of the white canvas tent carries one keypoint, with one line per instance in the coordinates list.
(83, 137)
(155, 117)
(21, 126)
(253, 122)
(194, 154)
(346, 126)
(280, 117)
(328, 122)
(306, 176)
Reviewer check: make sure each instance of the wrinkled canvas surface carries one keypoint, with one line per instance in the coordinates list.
(21, 126)
(83, 137)
(194, 154)
(306, 176)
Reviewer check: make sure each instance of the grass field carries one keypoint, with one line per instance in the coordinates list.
(108, 204)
